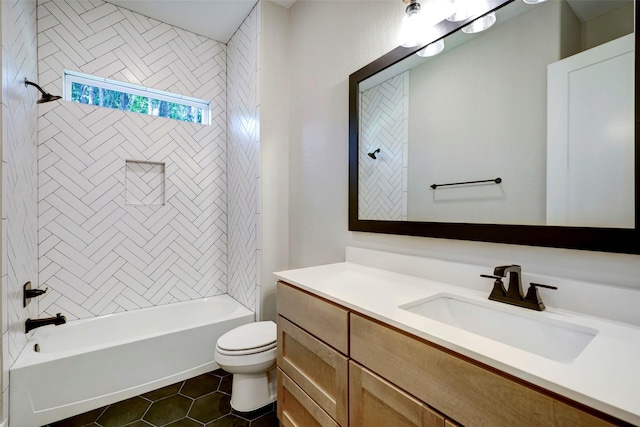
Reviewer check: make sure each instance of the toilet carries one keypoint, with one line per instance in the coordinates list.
(249, 353)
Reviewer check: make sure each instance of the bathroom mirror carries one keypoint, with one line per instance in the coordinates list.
(540, 108)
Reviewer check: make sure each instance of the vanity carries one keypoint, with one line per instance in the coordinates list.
(359, 346)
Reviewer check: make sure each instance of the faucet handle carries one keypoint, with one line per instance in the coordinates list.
(498, 287)
(538, 285)
(501, 270)
(534, 297)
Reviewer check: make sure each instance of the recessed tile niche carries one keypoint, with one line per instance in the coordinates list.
(144, 183)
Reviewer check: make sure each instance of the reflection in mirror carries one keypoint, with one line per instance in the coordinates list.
(544, 99)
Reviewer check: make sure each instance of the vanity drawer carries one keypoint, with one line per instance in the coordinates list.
(465, 391)
(321, 318)
(376, 402)
(296, 409)
(319, 370)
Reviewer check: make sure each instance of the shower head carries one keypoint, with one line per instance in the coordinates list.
(373, 155)
(46, 97)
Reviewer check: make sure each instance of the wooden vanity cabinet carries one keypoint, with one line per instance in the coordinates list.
(313, 339)
(341, 368)
(472, 394)
(325, 320)
(296, 408)
(376, 402)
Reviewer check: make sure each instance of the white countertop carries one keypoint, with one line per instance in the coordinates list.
(605, 376)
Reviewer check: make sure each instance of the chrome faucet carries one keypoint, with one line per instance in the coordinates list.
(513, 294)
(30, 324)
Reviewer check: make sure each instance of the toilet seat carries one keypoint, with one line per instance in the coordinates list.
(245, 352)
(251, 338)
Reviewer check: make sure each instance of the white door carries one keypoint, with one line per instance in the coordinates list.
(590, 137)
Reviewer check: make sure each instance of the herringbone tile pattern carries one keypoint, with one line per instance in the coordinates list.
(98, 254)
(105, 40)
(19, 174)
(144, 183)
(384, 122)
(243, 149)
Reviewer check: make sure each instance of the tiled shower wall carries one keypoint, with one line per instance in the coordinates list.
(384, 111)
(243, 149)
(19, 178)
(97, 253)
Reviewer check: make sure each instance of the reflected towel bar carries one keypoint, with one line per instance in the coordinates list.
(497, 181)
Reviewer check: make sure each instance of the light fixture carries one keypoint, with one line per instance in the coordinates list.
(418, 26)
(464, 9)
(432, 49)
(46, 97)
(534, 1)
(480, 24)
(412, 32)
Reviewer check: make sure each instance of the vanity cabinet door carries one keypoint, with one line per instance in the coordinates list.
(323, 319)
(378, 403)
(466, 391)
(295, 407)
(319, 370)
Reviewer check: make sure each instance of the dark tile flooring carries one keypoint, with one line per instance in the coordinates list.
(203, 401)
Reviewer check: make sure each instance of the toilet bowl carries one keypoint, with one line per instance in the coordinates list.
(249, 353)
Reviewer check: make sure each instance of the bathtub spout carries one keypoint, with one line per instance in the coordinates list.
(30, 324)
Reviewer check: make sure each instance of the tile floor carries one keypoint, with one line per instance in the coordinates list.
(203, 401)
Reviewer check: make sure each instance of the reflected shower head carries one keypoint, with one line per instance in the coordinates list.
(46, 96)
(373, 155)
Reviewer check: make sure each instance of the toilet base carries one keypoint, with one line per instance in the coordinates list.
(253, 391)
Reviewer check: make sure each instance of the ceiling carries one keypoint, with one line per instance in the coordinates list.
(219, 19)
(586, 10)
(216, 19)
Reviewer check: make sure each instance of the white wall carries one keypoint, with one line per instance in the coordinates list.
(609, 26)
(274, 151)
(329, 41)
(243, 65)
(19, 178)
(483, 121)
(98, 254)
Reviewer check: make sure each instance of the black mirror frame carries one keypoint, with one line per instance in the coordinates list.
(584, 238)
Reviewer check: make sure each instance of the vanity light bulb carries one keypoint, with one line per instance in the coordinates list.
(480, 24)
(413, 29)
(463, 9)
(534, 1)
(432, 49)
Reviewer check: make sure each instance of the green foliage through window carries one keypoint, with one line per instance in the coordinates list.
(92, 95)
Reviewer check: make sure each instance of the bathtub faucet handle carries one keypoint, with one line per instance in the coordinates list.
(28, 293)
(31, 293)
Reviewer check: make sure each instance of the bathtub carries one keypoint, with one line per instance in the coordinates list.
(89, 363)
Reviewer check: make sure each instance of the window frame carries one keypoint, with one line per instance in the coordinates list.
(70, 77)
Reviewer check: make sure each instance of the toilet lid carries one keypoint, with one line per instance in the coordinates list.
(257, 350)
(250, 336)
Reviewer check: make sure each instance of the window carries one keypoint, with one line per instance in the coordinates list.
(91, 90)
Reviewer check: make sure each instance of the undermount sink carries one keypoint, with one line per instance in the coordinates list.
(550, 338)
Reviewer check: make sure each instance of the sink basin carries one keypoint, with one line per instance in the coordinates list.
(532, 332)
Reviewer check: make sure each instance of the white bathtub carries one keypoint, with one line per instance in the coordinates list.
(89, 363)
